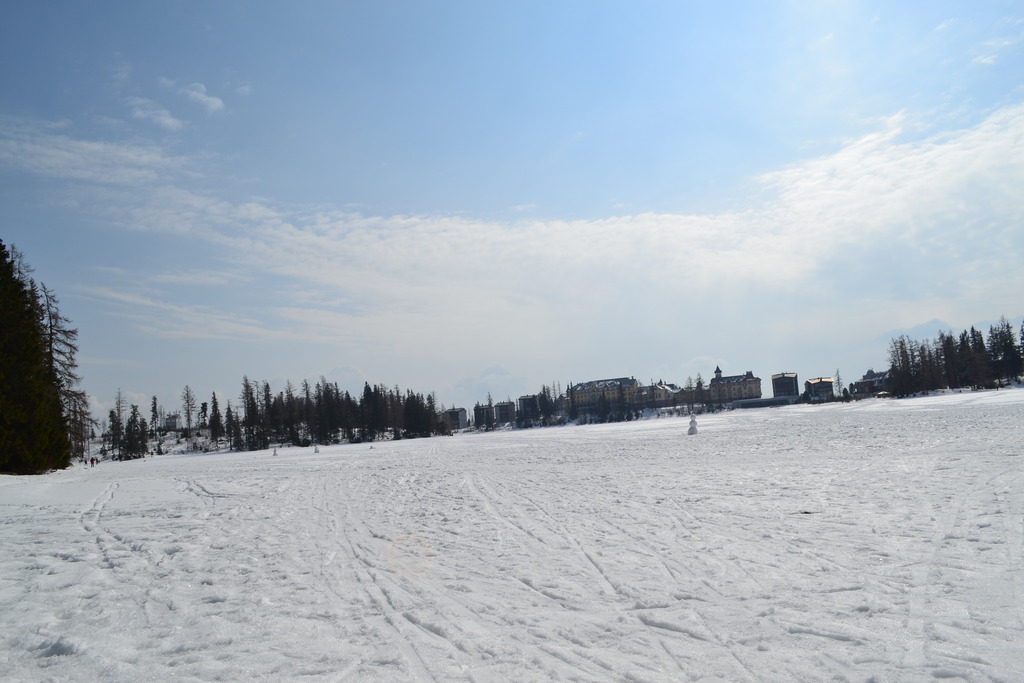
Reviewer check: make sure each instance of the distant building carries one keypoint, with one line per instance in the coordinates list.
(785, 384)
(172, 423)
(660, 395)
(820, 388)
(529, 409)
(483, 416)
(456, 418)
(725, 389)
(871, 384)
(504, 412)
(617, 393)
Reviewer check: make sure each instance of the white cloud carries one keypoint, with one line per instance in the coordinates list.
(943, 207)
(1000, 43)
(991, 49)
(197, 93)
(194, 278)
(39, 148)
(149, 110)
(175, 321)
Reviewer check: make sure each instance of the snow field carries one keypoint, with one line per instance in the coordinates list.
(880, 540)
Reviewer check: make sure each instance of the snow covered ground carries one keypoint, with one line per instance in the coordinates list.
(880, 540)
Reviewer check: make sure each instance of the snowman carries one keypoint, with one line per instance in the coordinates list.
(693, 425)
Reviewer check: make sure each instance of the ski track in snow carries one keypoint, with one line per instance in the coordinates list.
(880, 540)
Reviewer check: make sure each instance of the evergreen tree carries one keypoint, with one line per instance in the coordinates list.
(901, 367)
(135, 437)
(116, 434)
(963, 359)
(309, 411)
(188, 407)
(154, 418)
(266, 409)
(396, 412)
(216, 423)
(61, 345)
(979, 368)
(33, 426)
(290, 414)
(119, 407)
(946, 347)
(546, 403)
(1020, 347)
(368, 414)
(81, 424)
(61, 342)
(929, 368)
(250, 421)
(489, 418)
(431, 416)
(419, 416)
(1004, 353)
(234, 429)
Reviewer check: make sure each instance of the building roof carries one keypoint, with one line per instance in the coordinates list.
(604, 384)
(735, 379)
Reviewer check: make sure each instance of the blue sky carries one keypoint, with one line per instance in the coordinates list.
(468, 197)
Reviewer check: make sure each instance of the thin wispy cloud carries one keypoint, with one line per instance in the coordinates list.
(39, 148)
(194, 278)
(163, 319)
(148, 110)
(196, 92)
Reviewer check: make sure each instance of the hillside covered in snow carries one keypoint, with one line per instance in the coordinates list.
(876, 540)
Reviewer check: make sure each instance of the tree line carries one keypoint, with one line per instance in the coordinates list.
(320, 413)
(44, 415)
(969, 360)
